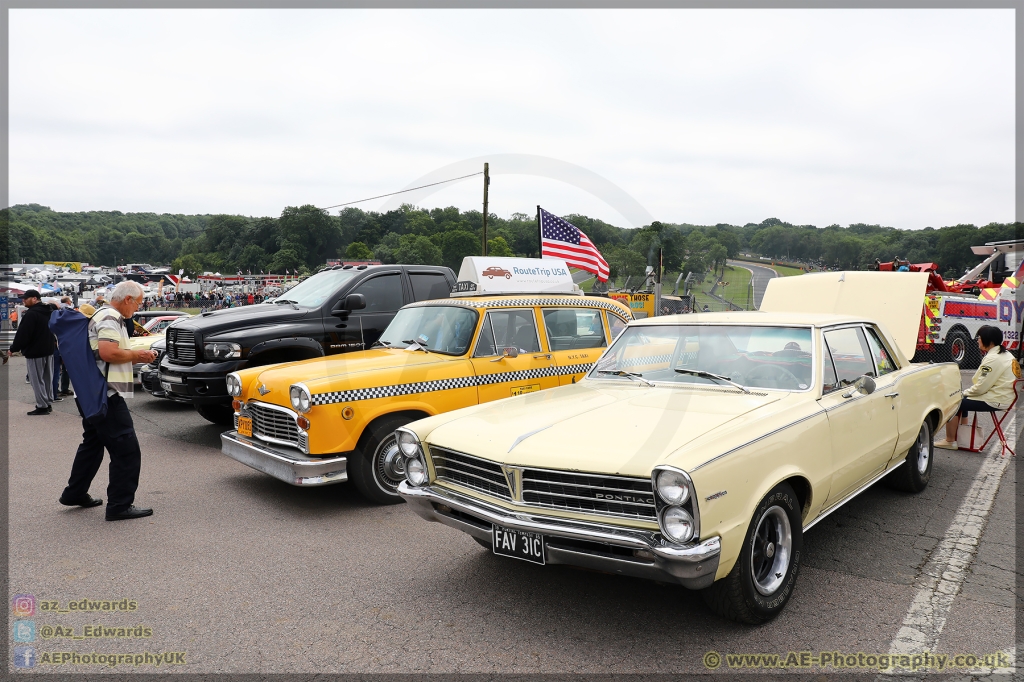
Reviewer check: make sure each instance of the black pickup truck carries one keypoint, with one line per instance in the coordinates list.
(341, 309)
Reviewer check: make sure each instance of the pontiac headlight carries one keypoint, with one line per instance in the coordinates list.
(416, 471)
(234, 383)
(673, 486)
(677, 524)
(221, 350)
(300, 397)
(409, 444)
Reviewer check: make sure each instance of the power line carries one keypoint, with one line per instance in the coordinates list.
(411, 189)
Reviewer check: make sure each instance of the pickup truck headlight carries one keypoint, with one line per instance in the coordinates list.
(302, 401)
(234, 384)
(222, 350)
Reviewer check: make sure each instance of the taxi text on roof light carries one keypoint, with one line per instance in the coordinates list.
(483, 275)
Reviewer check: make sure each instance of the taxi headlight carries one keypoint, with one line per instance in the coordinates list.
(234, 383)
(416, 471)
(408, 442)
(677, 524)
(300, 397)
(673, 486)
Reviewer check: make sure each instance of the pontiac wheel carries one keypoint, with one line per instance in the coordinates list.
(762, 580)
(913, 475)
(377, 466)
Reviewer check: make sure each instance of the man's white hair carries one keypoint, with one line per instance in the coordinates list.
(126, 289)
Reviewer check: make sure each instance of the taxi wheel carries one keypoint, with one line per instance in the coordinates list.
(759, 585)
(913, 475)
(377, 466)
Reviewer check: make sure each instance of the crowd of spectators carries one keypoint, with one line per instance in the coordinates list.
(212, 300)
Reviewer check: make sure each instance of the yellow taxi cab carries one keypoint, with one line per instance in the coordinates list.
(328, 420)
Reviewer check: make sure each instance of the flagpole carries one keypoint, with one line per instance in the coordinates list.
(540, 236)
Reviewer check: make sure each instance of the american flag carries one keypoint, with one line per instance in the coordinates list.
(563, 240)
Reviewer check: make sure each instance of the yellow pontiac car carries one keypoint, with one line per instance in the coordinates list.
(328, 420)
(700, 447)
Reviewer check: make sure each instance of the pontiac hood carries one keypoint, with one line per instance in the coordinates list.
(619, 429)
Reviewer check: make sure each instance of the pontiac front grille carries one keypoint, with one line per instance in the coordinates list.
(471, 472)
(181, 346)
(273, 424)
(599, 494)
(620, 496)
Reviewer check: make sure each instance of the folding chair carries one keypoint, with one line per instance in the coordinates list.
(997, 424)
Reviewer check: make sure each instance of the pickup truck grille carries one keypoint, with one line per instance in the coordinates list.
(620, 496)
(471, 472)
(273, 424)
(181, 346)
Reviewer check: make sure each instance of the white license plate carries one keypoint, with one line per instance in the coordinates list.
(518, 544)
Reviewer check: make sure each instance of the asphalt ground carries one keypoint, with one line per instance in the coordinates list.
(245, 574)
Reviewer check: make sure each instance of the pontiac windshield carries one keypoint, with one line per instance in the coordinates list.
(712, 355)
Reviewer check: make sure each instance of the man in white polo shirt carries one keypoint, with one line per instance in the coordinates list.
(116, 431)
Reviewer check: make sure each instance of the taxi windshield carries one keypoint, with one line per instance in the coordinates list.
(443, 329)
(732, 356)
(314, 291)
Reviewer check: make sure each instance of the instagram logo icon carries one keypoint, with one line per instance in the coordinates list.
(23, 605)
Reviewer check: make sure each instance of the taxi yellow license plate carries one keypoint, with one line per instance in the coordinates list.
(245, 426)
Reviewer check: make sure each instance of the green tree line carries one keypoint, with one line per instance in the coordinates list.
(304, 237)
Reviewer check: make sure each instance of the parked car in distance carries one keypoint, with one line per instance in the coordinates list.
(337, 310)
(701, 447)
(328, 420)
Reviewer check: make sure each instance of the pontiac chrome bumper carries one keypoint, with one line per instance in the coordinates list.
(624, 551)
(289, 466)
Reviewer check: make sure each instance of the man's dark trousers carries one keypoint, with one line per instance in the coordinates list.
(60, 375)
(116, 433)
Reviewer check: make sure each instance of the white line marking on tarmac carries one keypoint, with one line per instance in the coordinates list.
(946, 570)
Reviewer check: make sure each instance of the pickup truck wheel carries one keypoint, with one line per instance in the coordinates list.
(377, 466)
(759, 585)
(222, 415)
(914, 474)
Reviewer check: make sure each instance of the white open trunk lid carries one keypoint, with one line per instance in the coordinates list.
(893, 299)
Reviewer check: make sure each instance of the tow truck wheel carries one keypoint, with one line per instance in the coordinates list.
(963, 350)
(222, 415)
(377, 466)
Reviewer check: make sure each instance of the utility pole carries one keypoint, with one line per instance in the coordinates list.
(487, 181)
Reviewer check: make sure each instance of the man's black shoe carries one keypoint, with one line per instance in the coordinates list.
(39, 410)
(87, 501)
(57, 399)
(131, 512)
(65, 393)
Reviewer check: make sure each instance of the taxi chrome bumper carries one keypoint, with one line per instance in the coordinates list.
(612, 549)
(283, 464)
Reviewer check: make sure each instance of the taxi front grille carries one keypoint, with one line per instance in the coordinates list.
(274, 425)
(181, 346)
(471, 472)
(594, 493)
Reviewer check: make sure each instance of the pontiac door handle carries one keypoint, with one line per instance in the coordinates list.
(891, 395)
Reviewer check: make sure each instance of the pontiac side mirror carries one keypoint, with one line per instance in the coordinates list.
(864, 384)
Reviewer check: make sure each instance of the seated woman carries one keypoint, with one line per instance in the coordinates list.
(992, 387)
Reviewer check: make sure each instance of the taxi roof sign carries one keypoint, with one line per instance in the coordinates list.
(484, 275)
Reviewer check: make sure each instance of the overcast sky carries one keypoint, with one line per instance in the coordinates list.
(898, 117)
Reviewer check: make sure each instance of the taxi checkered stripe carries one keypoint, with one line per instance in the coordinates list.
(651, 360)
(355, 395)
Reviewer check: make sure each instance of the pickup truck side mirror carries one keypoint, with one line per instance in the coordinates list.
(351, 302)
(864, 384)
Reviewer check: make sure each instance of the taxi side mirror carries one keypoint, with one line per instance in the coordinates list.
(508, 352)
(864, 384)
